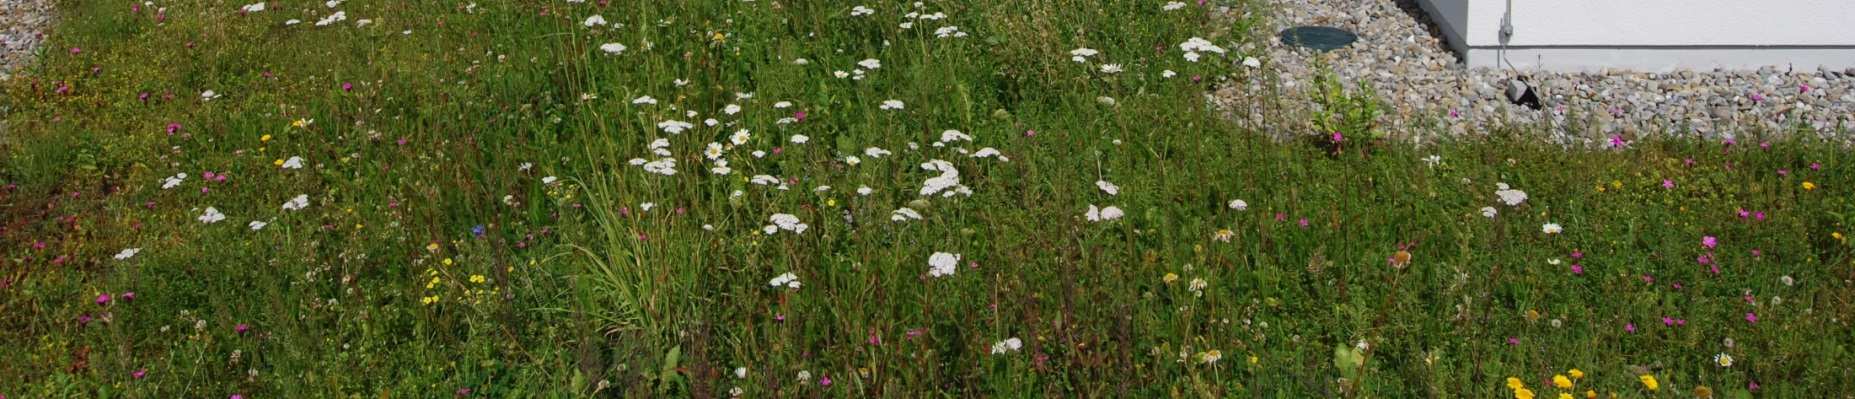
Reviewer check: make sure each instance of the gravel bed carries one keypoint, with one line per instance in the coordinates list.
(1428, 92)
(22, 28)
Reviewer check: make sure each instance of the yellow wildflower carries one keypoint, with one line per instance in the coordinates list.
(433, 247)
(1576, 374)
(1648, 381)
(266, 138)
(1523, 393)
(1563, 395)
(478, 278)
(1515, 384)
(446, 262)
(1561, 382)
(1807, 186)
(1169, 278)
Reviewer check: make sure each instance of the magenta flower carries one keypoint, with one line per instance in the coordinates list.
(1709, 242)
(1751, 318)
(1816, 166)
(76, 51)
(1617, 141)
(1337, 137)
(1030, 133)
(138, 373)
(800, 116)
(103, 299)
(1511, 341)
(1668, 321)
(241, 328)
(1666, 183)
(1304, 222)
(173, 127)
(1630, 328)
(128, 296)
(345, 86)
(824, 380)
(1577, 268)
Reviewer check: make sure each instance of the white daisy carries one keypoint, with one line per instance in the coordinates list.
(891, 105)
(612, 48)
(127, 253)
(293, 163)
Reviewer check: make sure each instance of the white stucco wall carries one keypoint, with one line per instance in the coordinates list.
(1653, 34)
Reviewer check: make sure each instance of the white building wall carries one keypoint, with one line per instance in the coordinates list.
(1652, 35)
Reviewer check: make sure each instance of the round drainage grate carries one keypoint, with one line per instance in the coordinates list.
(1322, 38)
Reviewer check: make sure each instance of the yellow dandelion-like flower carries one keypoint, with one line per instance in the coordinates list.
(265, 138)
(429, 300)
(478, 278)
(1515, 384)
(302, 123)
(1169, 278)
(720, 37)
(1523, 393)
(1561, 381)
(277, 163)
(1563, 395)
(432, 247)
(446, 261)
(1576, 374)
(1807, 186)
(1648, 381)
(1836, 235)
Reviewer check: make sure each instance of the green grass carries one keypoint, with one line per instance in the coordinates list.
(435, 260)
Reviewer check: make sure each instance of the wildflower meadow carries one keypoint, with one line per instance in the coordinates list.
(778, 198)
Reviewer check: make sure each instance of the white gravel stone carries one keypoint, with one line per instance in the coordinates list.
(1426, 92)
(22, 29)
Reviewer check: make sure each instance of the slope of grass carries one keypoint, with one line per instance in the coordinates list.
(485, 211)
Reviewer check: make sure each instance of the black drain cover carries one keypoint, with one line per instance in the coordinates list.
(1322, 38)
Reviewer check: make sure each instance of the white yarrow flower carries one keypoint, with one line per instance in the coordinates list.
(594, 20)
(1107, 187)
(211, 216)
(942, 264)
(297, 204)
